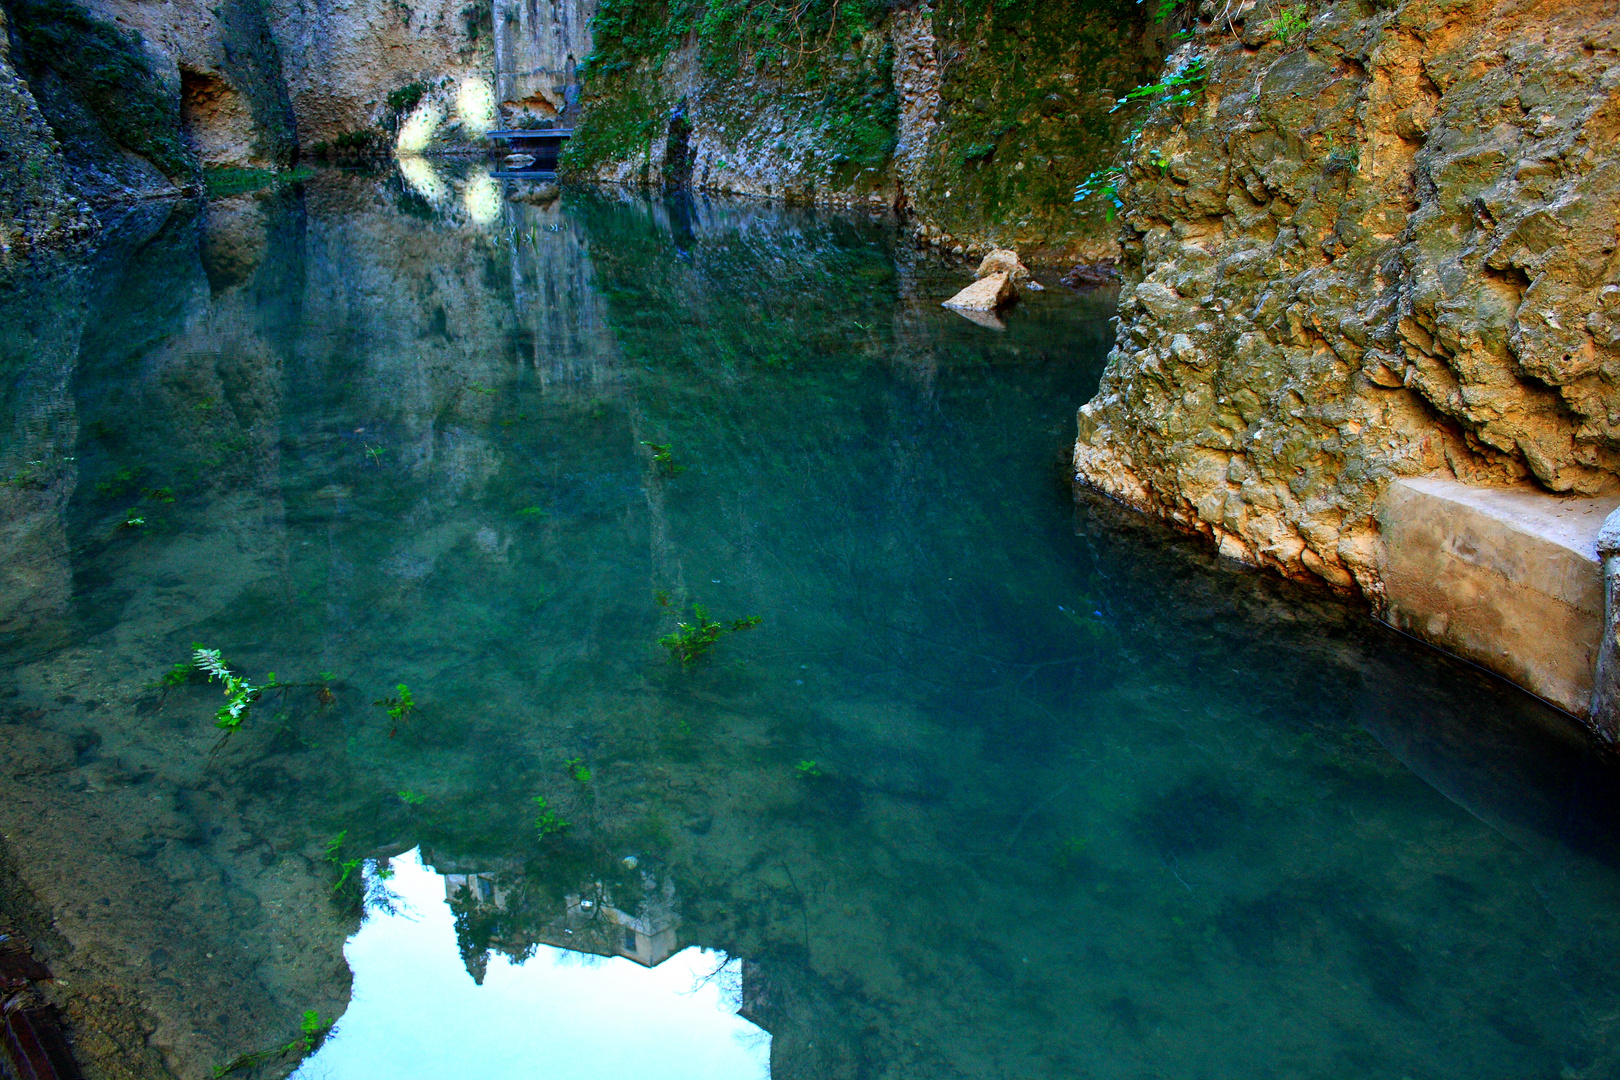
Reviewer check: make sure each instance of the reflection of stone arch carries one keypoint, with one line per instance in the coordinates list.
(217, 120)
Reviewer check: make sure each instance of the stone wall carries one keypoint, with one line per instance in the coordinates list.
(1382, 247)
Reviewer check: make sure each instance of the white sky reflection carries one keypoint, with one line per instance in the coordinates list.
(415, 1012)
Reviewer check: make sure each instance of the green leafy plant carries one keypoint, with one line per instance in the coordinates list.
(222, 180)
(412, 798)
(1287, 23)
(239, 693)
(399, 708)
(663, 458)
(1180, 87)
(548, 823)
(407, 97)
(312, 1031)
(808, 769)
(578, 770)
(346, 868)
(692, 641)
(132, 519)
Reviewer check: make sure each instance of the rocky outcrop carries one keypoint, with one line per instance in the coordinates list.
(37, 205)
(1378, 245)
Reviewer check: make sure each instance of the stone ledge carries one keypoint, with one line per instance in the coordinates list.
(1506, 577)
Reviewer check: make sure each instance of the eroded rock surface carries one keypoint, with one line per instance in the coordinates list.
(1382, 250)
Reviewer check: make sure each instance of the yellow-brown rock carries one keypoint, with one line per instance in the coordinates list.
(986, 294)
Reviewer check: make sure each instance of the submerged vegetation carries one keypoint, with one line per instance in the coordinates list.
(663, 458)
(692, 641)
(548, 823)
(312, 1031)
(399, 708)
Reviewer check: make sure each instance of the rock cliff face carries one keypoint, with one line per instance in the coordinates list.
(1375, 245)
(977, 118)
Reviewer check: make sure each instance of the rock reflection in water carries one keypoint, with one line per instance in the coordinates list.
(555, 1010)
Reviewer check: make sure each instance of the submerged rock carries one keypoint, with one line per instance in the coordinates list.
(1089, 276)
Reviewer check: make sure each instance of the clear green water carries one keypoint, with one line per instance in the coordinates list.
(1001, 785)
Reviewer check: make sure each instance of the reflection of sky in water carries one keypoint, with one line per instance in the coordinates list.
(415, 1012)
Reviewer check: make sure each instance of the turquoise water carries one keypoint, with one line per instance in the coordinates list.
(1001, 784)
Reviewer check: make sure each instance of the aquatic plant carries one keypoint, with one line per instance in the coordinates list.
(808, 769)
(239, 693)
(132, 519)
(548, 823)
(412, 798)
(399, 708)
(347, 886)
(578, 770)
(663, 458)
(175, 676)
(312, 1031)
(692, 641)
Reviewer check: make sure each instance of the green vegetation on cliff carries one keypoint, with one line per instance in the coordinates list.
(819, 61)
(978, 114)
(95, 83)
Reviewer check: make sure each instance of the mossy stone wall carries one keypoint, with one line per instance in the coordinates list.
(807, 102)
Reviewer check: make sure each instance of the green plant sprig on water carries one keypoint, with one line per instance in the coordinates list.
(663, 458)
(347, 886)
(399, 708)
(312, 1031)
(692, 641)
(548, 823)
(239, 693)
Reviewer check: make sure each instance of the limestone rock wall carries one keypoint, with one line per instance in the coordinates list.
(538, 46)
(343, 60)
(1382, 248)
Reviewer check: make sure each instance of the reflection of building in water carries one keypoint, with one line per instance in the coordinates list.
(591, 921)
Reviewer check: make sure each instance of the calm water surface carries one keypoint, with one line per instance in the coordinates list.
(1000, 786)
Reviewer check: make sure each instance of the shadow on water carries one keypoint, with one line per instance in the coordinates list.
(1004, 783)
